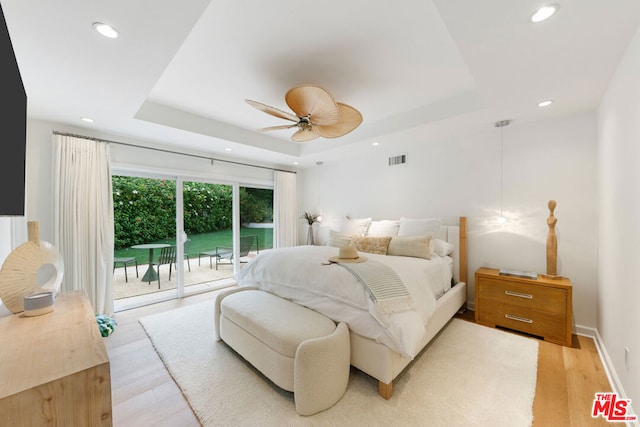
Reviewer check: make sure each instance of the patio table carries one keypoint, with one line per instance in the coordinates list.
(150, 275)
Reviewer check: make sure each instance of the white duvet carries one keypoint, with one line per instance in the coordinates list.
(298, 274)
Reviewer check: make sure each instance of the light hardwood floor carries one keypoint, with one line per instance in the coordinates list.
(144, 394)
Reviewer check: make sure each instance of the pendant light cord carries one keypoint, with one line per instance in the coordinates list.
(501, 124)
(501, 165)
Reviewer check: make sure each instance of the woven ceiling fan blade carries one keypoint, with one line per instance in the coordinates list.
(277, 127)
(350, 118)
(314, 102)
(304, 135)
(272, 110)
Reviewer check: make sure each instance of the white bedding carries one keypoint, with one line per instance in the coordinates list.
(297, 274)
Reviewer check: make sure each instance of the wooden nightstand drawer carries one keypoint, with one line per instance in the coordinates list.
(549, 326)
(531, 296)
(540, 307)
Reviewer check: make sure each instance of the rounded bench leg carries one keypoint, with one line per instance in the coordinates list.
(321, 371)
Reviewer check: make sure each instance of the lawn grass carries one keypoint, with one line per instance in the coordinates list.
(203, 242)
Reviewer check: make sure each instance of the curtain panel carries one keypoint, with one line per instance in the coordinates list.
(285, 212)
(83, 225)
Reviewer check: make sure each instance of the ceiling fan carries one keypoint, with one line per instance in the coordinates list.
(317, 114)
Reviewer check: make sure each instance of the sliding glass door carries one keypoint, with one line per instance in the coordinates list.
(175, 237)
(221, 241)
(207, 224)
(256, 218)
(144, 236)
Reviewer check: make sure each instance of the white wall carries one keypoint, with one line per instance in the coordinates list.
(6, 246)
(5, 241)
(553, 159)
(619, 207)
(39, 178)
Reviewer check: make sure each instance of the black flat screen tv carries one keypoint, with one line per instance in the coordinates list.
(13, 129)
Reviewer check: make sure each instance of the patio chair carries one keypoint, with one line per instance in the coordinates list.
(167, 256)
(225, 252)
(125, 261)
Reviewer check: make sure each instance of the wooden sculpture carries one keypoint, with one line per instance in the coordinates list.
(552, 244)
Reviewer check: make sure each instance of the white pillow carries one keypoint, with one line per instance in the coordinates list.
(339, 240)
(413, 246)
(356, 226)
(383, 228)
(440, 247)
(419, 226)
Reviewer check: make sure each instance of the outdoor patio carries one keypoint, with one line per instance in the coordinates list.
(198, 274)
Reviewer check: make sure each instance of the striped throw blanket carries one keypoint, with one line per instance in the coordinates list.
(383, 285)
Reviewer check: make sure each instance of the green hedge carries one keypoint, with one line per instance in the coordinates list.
(145, 209)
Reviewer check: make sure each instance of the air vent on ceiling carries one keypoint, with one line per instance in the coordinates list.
(398, 160)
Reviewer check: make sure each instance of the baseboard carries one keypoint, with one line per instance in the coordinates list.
(609, 369)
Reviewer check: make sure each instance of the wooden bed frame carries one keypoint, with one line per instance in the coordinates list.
(384, 364)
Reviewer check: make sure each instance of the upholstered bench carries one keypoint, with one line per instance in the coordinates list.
(298, 349)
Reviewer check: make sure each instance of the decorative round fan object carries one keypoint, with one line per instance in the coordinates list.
(23, 268)
(317, 114)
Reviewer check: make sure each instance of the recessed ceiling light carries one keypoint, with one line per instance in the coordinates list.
(375, 144)
(545, 103)
(105, 30)
(228, 149)
(544, 13)
(296, 163)
(86, 119)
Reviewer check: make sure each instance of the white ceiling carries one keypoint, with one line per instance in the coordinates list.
(180, 71)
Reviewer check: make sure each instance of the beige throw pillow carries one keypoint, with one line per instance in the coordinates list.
(413, 246)
(372, 245)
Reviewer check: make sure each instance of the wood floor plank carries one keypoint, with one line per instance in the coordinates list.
(550, 408)
(145, 410)
(588, 345)
(582, 384)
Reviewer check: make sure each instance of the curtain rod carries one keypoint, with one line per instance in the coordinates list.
(212, 159)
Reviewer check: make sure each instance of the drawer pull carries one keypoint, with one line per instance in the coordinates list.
(519, 319)
(518, 294)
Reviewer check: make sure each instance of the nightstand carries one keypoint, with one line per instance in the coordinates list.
(540, 307)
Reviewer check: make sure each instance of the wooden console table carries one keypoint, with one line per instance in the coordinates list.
(54, 368)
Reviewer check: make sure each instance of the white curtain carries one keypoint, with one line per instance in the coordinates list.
(285, 212)
(83, 228)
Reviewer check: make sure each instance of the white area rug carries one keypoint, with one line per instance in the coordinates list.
(469, 375)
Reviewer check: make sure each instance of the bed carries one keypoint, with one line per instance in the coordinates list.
(383, 341)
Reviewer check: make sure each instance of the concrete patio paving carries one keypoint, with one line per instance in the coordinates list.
(135, 286)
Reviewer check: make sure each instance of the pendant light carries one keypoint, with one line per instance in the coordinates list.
(501, 124)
